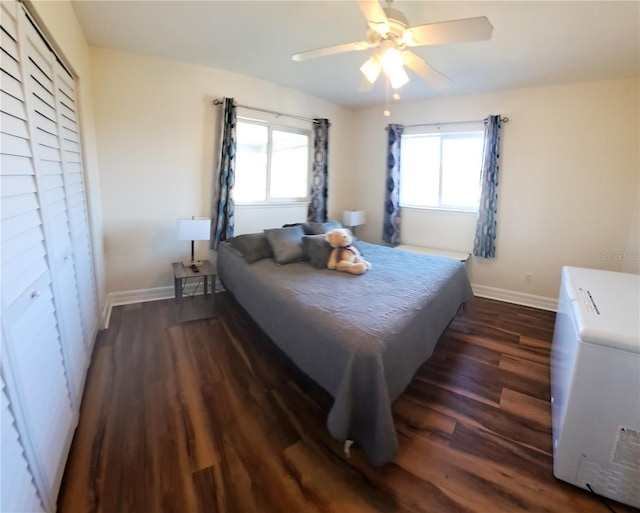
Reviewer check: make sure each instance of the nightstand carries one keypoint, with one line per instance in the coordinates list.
(191, 306)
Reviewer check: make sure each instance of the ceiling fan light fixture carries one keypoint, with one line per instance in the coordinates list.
(391, 59)
(392, 63)
(398, 78)
(371, 69)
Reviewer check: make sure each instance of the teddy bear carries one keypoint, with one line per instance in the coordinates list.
(344, 255)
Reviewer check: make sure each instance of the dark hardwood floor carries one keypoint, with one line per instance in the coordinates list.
(208, 416)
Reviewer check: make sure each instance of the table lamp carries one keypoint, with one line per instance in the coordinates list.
(193, 229)
(353, 218)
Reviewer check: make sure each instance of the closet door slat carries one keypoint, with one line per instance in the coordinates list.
(19, 490)
(76, 200)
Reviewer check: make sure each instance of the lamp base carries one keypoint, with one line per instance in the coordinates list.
(189, 263)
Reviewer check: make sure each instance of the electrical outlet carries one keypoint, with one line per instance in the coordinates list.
(528, 277)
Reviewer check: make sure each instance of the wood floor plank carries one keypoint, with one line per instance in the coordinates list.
(454, 350)
(481, 484)
(202, 453)
(475, 413)
(509, 346)
(421, 421)
(531, 408)
(489, 446)
(209, 416)
(209, 484)
(527, 368)
(83, 485)
(469, 378)
(318, 476)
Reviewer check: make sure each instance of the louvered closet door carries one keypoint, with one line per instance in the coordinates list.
(69, 133)
(17, 491)
(40, 371)
(39, 67)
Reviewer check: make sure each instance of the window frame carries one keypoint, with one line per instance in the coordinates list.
(269, 201)
(453, 134)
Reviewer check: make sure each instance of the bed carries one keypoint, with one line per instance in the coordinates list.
(361, 338)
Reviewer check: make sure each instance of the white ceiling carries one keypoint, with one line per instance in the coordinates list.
(534, 43)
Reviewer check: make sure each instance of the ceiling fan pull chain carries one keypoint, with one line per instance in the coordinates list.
(386, 112)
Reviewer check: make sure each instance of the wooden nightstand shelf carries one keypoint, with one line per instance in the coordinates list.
(193, 306)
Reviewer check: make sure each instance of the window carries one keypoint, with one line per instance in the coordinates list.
(441, 170)
(272, 163)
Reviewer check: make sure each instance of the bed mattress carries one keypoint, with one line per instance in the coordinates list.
(360, 337)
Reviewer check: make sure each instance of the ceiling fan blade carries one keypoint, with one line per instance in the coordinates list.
(456, 31)
(424, 70)
(375, 16)
(331, 50)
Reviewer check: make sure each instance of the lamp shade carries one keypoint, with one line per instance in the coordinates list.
(353, 217)
(198, 228)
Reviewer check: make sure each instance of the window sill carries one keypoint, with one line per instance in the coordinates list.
(438, 209)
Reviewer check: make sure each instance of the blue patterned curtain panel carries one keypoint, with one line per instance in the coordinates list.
(317, 212)
(222, 214)
(484, 245)
(391, 226)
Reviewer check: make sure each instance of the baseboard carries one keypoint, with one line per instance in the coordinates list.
(517, 298)
(130, 297)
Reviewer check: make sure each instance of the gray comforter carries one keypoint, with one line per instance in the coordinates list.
(361, 338)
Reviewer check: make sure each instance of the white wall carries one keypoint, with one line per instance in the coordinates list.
(156, 137)
(61, 27)
(569, 179)
(631, 257)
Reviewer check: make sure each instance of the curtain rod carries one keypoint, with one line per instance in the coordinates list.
(220, 102)
(503, 120)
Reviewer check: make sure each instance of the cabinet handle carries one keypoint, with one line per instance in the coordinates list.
(35, 293)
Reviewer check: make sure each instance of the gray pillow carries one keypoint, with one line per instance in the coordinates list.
(318, 228)
(252, 246)
(286, 244)
(317, 250)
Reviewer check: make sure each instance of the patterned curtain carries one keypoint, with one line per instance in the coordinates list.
(317, 212)
(222, 215)
(391, 226)
(484, 244)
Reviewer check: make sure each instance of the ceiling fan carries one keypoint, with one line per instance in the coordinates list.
(390, 34)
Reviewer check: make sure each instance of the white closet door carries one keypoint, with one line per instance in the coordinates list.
(32, 350)
(18, 493)
(69, 133)
(39, 65)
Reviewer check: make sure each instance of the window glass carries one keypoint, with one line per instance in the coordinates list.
(289, 165)
(251, 163)
(461, 165)
(441, 170)
(272, 163)
(420, 168)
